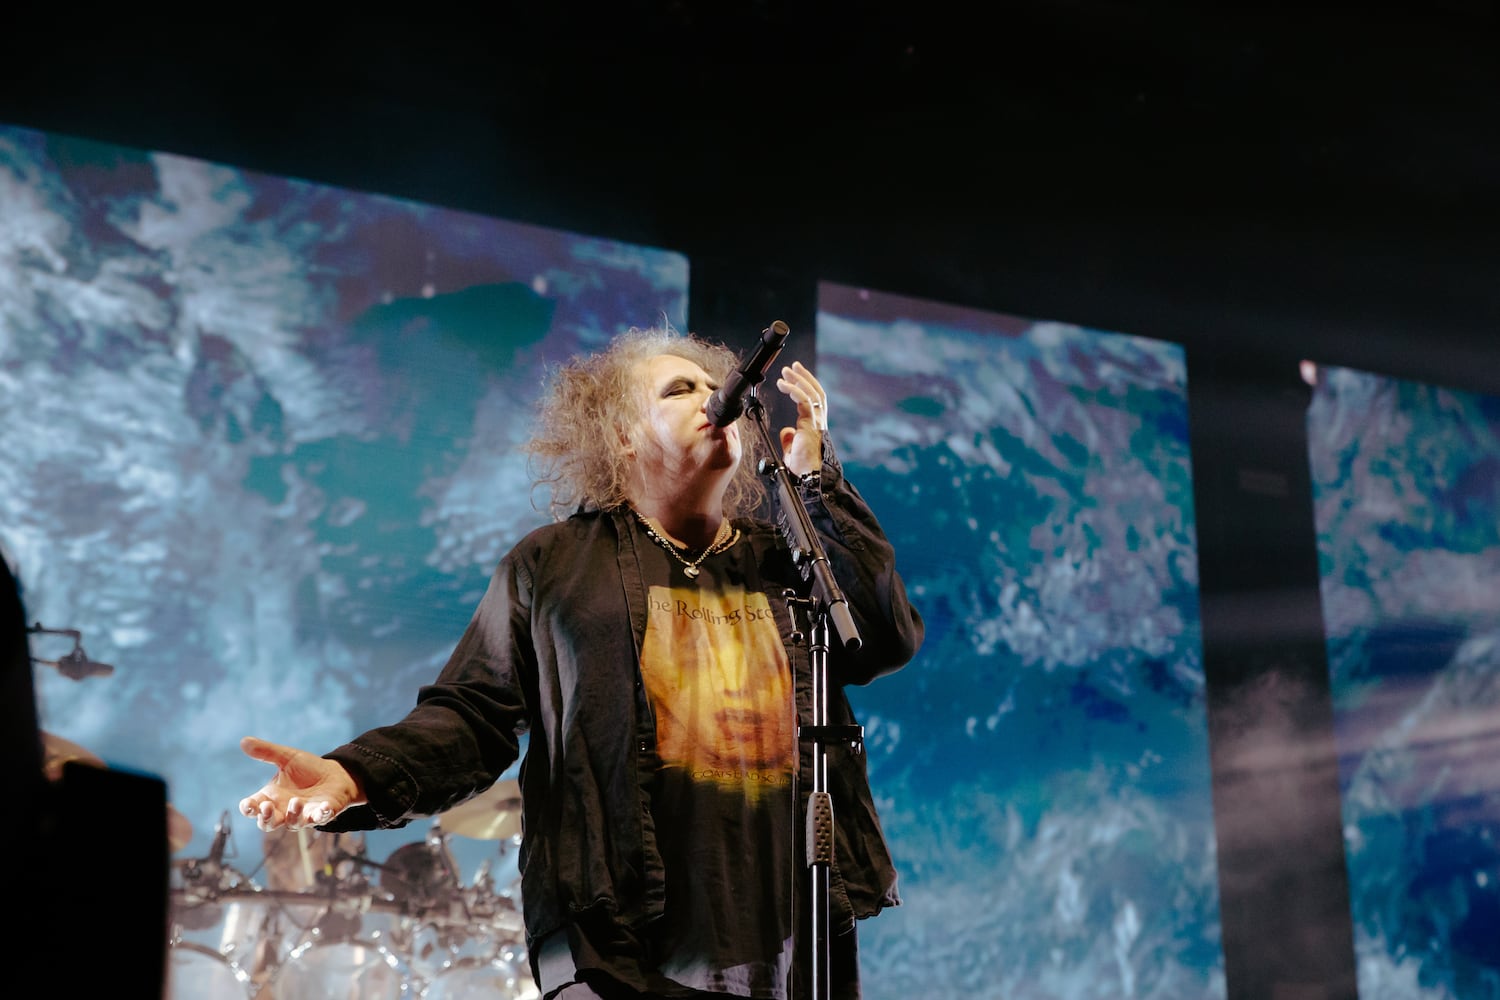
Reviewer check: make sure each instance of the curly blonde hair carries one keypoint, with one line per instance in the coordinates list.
(588, 407)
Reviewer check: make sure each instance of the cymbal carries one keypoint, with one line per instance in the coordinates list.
(494, 814)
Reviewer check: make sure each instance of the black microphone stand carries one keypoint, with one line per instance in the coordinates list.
(824, 604)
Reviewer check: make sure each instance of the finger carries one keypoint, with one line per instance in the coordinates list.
(805, 390)
(265, 816)
(294, 811)
(254, 805)
(818, 410)
(806, 373)
(271, 753)
(795, 378)
(814, 410)
(807, 401)
(798, 374)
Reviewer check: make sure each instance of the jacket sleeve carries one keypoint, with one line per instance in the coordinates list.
(863, 562)
(465, 727)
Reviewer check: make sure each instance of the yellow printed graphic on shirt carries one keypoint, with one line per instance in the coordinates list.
(720, 685)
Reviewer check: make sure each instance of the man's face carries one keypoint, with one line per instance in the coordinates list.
(674, 438)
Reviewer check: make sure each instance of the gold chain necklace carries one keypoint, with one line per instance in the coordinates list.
(725, 538)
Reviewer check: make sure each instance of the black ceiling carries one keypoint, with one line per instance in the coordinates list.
(1320, 176)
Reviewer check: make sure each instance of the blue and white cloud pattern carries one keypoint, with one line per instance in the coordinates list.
(1406, 481)
(1043, 766)
(260, 448)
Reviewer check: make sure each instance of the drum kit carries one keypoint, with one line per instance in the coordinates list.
(325, 920)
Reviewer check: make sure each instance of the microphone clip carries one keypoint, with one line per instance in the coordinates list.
(728, 401)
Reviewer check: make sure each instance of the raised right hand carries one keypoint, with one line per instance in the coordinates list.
(307, 790)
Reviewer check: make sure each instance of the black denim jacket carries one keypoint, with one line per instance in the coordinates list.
(553, 650)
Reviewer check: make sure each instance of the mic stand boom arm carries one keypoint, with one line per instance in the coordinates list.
(826, 603)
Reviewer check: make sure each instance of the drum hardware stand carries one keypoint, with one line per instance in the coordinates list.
(825, 604)
(210, 871)
(74, 664)
(421, 895)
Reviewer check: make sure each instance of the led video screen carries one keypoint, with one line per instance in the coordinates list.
(261, 459)
(259, 463)
(1043, 767)
(1406, 487)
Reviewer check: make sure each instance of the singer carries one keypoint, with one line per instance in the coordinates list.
(645, 643)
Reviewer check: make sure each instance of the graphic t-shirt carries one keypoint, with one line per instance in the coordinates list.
(720, 687)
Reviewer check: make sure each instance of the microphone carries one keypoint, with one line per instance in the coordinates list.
(728, 400)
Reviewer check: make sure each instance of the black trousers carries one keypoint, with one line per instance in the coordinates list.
(843, 974)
